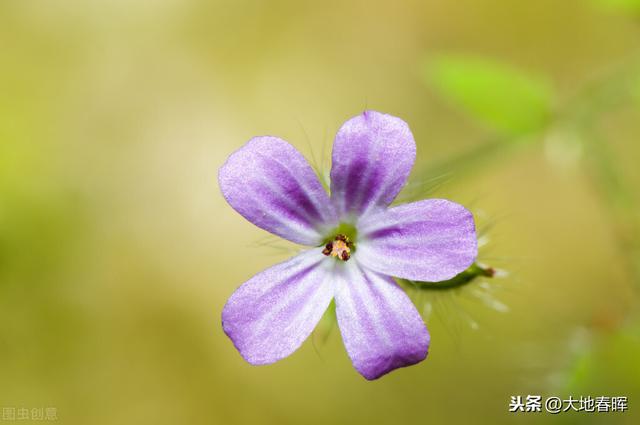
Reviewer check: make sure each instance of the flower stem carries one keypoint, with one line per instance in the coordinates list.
(469, 275)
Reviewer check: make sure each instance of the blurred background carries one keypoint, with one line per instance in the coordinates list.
(116, 115)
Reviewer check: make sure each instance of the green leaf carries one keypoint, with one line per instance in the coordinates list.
(629, 6)
(496, 94)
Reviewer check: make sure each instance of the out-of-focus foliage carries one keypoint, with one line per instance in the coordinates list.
(498, 95)
(632, 6)
(607, 364)
(38, 217)
(118, 253)
(636, 90)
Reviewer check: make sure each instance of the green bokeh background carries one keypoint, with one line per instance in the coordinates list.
(117, 251)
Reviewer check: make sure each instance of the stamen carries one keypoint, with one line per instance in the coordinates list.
(340, 248)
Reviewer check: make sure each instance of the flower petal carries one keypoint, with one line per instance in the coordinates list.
(380, 327)
(271, 315)
(271, 184)
(373, 154)
(430, 240)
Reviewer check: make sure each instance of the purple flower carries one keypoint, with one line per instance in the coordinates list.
(357, 244)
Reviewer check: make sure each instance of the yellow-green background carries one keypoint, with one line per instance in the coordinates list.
(117, 251)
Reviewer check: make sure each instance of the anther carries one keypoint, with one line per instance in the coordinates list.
(340, 248)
